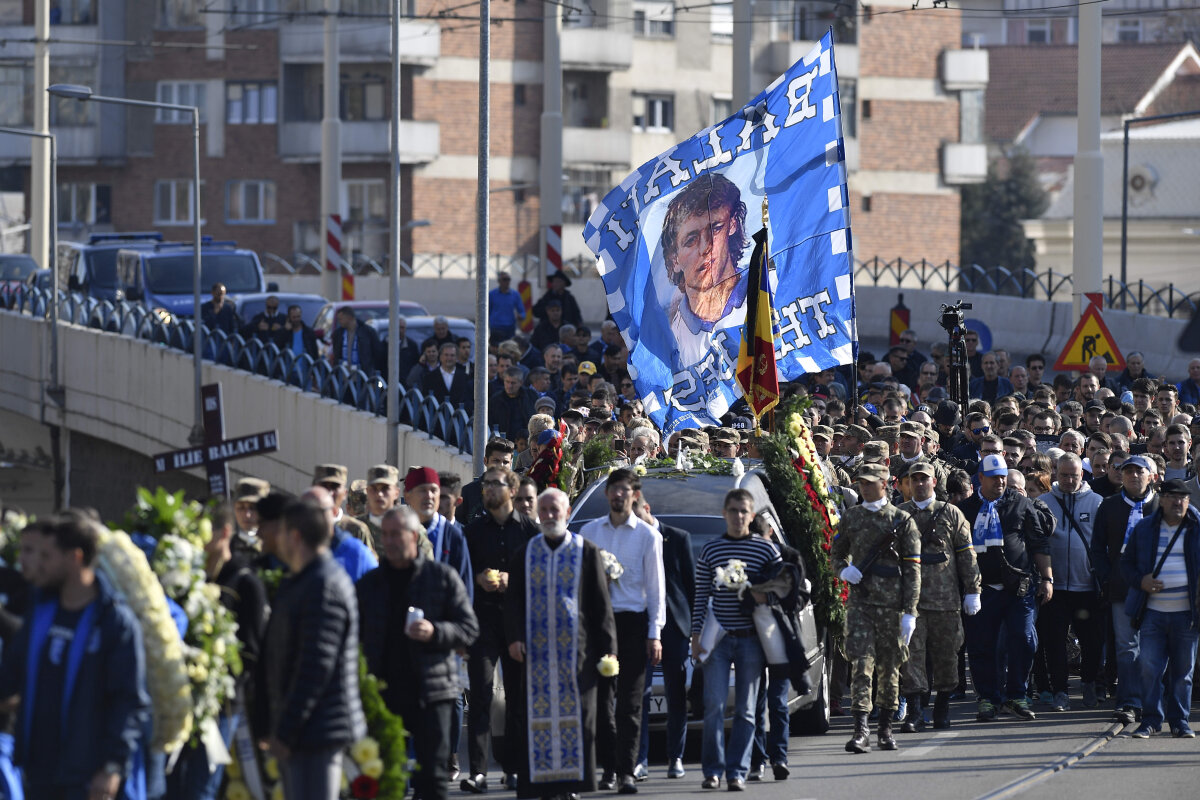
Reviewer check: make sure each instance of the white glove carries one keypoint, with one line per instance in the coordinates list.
(908, 626)
(971, 604)
(851, 574)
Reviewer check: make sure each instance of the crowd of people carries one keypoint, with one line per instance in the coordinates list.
(1043, 512)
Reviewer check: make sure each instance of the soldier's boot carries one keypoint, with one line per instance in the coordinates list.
(914, 721)
(886, 742)
(941, 711)
(860, 742)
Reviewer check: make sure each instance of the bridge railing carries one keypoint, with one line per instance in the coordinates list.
(348, 385)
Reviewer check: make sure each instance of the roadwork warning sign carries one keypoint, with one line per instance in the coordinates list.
(1090, 338)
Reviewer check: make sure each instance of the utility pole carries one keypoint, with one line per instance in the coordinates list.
(550, 175)
(331, 160)
(39, 162)
(743, 38)
(1087, 253)
(479, 420)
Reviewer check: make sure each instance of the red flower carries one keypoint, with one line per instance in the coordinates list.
(364, 786)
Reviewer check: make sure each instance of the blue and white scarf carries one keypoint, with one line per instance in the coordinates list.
(1135, 515)
(987, 532)
(556, 734)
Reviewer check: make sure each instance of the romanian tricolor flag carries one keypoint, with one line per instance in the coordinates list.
(756, 370)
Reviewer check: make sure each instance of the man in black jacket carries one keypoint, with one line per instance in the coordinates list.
(679, 569)
(1115, 520)
(449, 382)
(415, 656)
(1011, 538)
(354, 343)
(496, 538)
(308, 708)
(510, 409)
(296, 336)
(266, 324)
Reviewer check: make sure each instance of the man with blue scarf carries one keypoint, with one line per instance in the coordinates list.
(78, 666)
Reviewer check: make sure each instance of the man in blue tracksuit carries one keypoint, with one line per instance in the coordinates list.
(78, 666)
(1161, 563)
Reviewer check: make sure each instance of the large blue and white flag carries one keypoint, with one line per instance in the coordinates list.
(673, 243)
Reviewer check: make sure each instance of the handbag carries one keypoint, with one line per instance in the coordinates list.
(1139, 614)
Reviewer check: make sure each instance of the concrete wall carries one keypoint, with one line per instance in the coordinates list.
(139, 396)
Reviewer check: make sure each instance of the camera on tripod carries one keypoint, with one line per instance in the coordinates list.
(952, 319)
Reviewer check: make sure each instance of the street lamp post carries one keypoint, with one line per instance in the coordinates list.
(83, 94)
(393, 362)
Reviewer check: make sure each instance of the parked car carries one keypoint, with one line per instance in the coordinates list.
(693, 503)
(91, 267)
(248, 305)
(365, 310)
(420, 328)
(15, 271)
(160, 278)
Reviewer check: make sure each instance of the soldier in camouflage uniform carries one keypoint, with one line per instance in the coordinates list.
(881, 614)
(948, 571)
(912, 450)
(855, 438)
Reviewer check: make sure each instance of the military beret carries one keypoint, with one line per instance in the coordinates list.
(251, 490)
(912, 429)
(859, 432)
(329, 473)
(823, 431)
(921, 468)
(875, 451)
(889, 433)
(872, 472)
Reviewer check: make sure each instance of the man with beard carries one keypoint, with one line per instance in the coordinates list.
(558, 619)
(496, 539)
(415, 658)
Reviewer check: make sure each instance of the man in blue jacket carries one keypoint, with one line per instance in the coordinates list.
(1161, 563)
(77, 664)
(346, 550)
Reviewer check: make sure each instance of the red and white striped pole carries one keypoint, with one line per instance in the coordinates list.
(333, 255)
(553, 250)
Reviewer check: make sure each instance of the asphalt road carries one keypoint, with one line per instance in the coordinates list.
(1076, 754)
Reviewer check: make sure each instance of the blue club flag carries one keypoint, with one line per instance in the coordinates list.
(673, 245)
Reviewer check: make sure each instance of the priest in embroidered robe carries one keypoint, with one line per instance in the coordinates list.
(558, 618)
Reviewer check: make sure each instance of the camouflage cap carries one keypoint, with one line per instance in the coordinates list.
(876, 451)
(694, 436)
(839, 429)
(725, 435)
(330, 473)
(931, 435)
(912, 429)
(889, 433)
(358, 485)
(823, 432)
(872, 472)
(383, 473)
(860, 433)
(921, 467)
(250, 490)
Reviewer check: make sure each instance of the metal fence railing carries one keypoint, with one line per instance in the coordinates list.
(350, 386)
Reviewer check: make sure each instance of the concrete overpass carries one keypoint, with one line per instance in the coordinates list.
(127, 398)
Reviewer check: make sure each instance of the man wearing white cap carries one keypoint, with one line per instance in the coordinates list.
(1011, 538)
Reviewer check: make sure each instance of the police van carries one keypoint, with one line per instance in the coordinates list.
(160, 278)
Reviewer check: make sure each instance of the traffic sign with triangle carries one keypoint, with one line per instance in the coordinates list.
(1090, 338)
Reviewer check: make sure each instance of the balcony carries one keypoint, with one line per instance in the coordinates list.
(964, 163)
(599, 49)
(602, 147)
(77, 143)
(304, 42)
(361, 141)
(782, 55)
(964, 70)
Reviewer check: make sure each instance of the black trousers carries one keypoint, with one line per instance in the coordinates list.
(489, 648)
(1081, 611)
(619, 700)
(429, 731)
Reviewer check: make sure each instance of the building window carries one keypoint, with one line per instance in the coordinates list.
(16, 93)
(653, 18)
(251, 103)
(1129, 30)
(653, 112)
(252, 12)
(363, 93)
(970, 106)
(721, 109)
(582, 190)
(1037, 31)
(250, 201)
(65, 111)
(179, 14)
(84, 204)
(720, 22)
(848, 106)
(518, 94)
(73, 12)
(173, 202)
(180, 93)
(366, 200)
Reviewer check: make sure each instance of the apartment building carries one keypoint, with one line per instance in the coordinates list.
(638, 75)
(1021, 22)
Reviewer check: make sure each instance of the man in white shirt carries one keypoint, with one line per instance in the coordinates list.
(637, 588)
